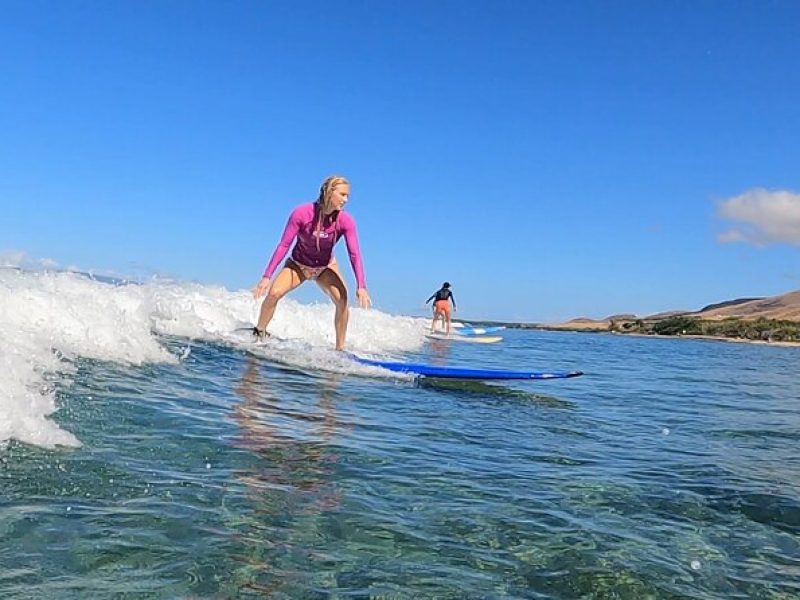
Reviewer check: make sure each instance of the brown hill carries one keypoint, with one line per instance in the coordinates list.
(785, 306)
(582, 320)
(728, 303)
(623, 317)
(666, 315)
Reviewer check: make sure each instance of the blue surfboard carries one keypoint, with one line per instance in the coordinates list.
(423, 370)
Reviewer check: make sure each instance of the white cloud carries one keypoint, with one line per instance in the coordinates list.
(12, 258)
(731, 237)
(21, 260)
(763, 217)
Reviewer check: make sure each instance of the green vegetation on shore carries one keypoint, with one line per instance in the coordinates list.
(762, 329)
(771, 330)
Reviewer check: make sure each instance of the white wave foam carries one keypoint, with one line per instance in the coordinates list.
(49, 319)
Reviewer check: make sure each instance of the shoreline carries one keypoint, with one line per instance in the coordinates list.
(595, 327)
(712, 338)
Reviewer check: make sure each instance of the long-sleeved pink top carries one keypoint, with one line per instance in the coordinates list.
(315, 249)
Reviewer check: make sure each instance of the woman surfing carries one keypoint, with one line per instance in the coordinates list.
(315, 227)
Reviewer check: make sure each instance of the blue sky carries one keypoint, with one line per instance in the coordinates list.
(550, 159)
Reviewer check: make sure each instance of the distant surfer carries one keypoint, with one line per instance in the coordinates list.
(316, 227)
(441, 306)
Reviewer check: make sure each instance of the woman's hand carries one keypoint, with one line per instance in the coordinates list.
(261, 288)
(364, 300)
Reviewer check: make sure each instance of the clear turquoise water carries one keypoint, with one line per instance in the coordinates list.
(670, 470)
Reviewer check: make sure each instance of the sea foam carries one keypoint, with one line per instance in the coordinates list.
(49, 320)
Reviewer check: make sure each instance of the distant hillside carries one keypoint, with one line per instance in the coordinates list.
(667, 314)
(784, 307)
(623, 317)
(728, 303)
(582, 320)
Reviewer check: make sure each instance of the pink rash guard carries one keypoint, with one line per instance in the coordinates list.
(302, 225)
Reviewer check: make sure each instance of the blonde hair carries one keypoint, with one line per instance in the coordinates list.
(325, 191)
(327, 187)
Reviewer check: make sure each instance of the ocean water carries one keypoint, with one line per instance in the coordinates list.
(147, 450)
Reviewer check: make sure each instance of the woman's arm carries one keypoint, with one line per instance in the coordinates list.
(351, 240)
(289, 233)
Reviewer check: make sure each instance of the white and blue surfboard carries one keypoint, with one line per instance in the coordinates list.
(477, 330)
(473, 339)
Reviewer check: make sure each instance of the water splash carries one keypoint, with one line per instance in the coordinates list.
(51, 319)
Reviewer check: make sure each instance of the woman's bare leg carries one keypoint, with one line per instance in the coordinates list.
(285, 282)
(332, 283)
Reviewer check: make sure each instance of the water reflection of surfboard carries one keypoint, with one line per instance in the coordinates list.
(474, 339)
